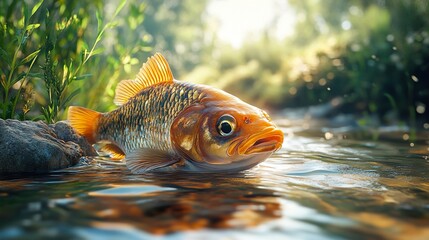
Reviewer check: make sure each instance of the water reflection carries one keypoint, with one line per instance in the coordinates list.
(182, 202)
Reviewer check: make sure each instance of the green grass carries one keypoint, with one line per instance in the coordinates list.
(37, 38)
(17, 67)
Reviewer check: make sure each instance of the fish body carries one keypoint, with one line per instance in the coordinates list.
(145, 120)
(165, 124)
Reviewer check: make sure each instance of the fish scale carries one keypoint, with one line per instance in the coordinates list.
(163, 124)
(145, 120)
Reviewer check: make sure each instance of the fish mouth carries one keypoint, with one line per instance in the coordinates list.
(268, 140)
(268, 144)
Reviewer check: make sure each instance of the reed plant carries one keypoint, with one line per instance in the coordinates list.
(58, 78)
(51, 37)
(17, 63)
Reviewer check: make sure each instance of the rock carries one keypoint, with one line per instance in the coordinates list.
(66, 133)
(27, 146)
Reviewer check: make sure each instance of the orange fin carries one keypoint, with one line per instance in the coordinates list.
(115, 152)
(155, 70)
(84, 121)
(145, 159)
(125, 90)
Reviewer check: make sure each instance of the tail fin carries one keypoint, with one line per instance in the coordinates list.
(84, 121)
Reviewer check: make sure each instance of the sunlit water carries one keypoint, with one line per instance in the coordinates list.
(313, 188)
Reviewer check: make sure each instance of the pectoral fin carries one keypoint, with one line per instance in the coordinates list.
(115, 152)
(145, 159)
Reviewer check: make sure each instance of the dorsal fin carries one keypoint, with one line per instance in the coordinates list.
(155, 70)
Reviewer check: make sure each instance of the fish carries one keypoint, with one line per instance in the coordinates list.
(163, 124)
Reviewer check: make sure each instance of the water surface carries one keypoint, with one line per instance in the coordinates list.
(325, 183)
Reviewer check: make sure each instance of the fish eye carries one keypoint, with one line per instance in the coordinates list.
(226, 125)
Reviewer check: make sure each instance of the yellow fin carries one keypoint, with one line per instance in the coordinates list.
(115, 152)
(125, 90)
(84, 121)
(155, 70)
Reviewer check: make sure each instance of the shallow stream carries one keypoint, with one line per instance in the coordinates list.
(324, 183)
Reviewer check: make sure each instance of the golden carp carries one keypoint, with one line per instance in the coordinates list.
(165, 124)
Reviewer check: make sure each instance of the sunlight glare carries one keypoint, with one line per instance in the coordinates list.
(236, 20)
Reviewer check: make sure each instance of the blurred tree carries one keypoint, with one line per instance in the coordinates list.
(176, 28)
(372, 54)
(381, 65)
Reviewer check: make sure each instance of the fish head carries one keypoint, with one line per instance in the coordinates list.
(225, 134)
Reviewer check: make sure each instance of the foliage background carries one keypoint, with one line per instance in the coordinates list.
(372, 55)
